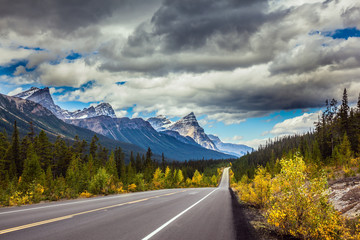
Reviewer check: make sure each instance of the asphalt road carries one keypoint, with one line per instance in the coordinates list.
(196, 213)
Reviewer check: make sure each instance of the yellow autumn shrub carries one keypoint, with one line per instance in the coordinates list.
(299, 206)
(85, 194)
(132, 187)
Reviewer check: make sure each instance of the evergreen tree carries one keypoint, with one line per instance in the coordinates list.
(163, 163)
(344, 113)
(345, 150)
(120, 164)
(32, 170)
(44, 150)
(148, 166)
(132, 161)
(62, 157)
(15, 163)
(130, 174)
(4, 144)
(93, 146)
(111, 166)
(138, 163)
(73, 175)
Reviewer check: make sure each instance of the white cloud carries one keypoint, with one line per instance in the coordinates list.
(54, 90)
(255, 143)
(296, 125)
(70, 73)
(10, 54)
(19, 70)
(15, 91)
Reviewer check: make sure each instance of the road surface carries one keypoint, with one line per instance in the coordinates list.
(196, 213)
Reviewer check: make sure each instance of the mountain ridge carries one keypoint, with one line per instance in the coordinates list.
(140, 132)
(43, 97)
(26, 111)
(230, 148)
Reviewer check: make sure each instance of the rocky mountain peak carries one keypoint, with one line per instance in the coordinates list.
(189, 126)
(159, 123)
(43, 97)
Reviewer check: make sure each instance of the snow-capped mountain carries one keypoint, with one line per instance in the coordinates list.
(103, 109)
(159, 123)
(139, 132)
(43, 97)
(188, 126)
(230, 148)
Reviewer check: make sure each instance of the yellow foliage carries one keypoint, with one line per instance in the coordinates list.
(188, 182)
(299, 205)
(85, 194)
(197, 178)
(258, 192)
(294, 203)
(18, 198)
(158, 179)
(132, 187)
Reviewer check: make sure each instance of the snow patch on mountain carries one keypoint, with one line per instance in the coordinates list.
(230, 148)
(189, 126)
(43, 97)
(160, 123)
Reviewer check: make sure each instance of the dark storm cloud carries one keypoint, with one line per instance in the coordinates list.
(65, 16)
(195, 36)
(187, 24)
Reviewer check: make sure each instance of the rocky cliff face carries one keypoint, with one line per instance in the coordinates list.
(159, 123)
(189, 126)
(140, 132)
(43, 97)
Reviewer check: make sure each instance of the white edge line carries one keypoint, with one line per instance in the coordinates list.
(84, 201)
(177, 216)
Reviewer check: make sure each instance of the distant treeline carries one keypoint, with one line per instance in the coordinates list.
(33, 168)
(334, 141)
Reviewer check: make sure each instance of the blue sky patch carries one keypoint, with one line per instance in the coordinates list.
(32, 48)
(73, 56)
(10, 68)
(342, 33)
(120, 83)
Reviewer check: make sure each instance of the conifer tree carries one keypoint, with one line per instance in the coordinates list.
(148, 166)
(130, 174)
(132, 160)
(4, 144)
(345, 150)
(163, 167)
(111, 166)
(44, 150)
(73, 175)
(93, 146)
(344, 112)
(15, 167)
(120, 164)
(32, 169)
(138, 163)
(62, 157)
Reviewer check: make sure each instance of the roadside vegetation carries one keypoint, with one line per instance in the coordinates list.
(288, 179)
(32, 169)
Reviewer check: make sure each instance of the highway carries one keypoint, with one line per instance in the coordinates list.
(194, 213)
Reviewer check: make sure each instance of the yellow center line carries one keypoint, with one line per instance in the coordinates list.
(80, 213)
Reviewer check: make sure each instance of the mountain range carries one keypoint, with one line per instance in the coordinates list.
(180, 140)
(24, 111)
(43, 97)
(189, 127)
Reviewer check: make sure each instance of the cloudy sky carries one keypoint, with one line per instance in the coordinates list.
(249, 69)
